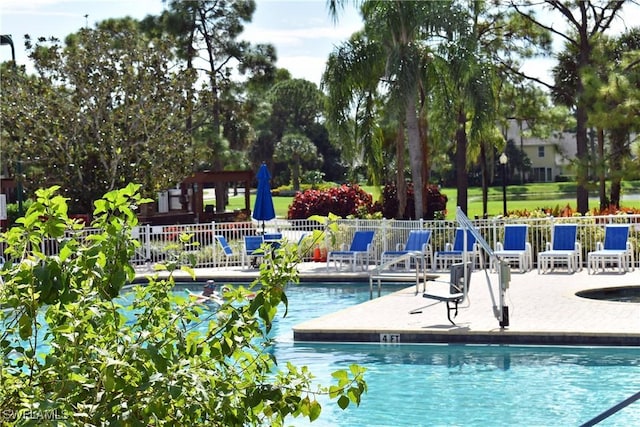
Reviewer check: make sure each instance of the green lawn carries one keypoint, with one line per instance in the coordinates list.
(519, 197)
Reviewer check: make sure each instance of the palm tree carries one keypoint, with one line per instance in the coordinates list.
(293, 149)
(398, 31)
(466, 95)
(351, 79)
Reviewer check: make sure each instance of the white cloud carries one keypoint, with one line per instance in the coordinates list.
(304, 67)
(298, 36)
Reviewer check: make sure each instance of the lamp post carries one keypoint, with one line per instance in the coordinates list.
(503, 161)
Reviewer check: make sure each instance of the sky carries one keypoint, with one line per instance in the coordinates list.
(302, 30)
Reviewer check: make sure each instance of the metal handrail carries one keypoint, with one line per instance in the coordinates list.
(612, 410)
(378, 272)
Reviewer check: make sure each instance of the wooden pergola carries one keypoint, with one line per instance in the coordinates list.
(218, 180)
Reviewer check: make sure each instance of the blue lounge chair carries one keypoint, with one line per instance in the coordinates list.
(359, 251)
(252, 250)
(227, 251)
(458, 288)
(516, 247)
(417, 246)
(616, 250)
(457, 252)
(564, 248)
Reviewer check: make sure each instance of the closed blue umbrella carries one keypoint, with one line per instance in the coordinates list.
(263, 209)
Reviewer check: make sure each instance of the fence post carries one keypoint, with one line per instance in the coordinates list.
(147, 243)
(214, 233)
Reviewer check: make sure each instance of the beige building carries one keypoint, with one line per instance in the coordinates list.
(550, 157)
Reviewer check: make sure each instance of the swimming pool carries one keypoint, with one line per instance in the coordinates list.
(440, 385)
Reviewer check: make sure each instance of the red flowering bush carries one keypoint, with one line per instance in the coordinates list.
(343, 201)
(436, 202)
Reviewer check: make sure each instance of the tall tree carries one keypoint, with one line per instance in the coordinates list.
(351, 79)
(467, 93)
(295, 107)
(400, 31)
(104, 110)
(585, 21)
(613, 91)
(208, 36)
(292, 149)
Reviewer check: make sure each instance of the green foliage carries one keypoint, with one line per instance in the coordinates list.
(103, 110)
(292, 149)
(75, 351)
(13, 211)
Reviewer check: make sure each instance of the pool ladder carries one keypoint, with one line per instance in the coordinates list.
(383, 272)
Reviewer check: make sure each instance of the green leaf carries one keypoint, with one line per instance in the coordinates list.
(24, 325)
(343, 402)
(314, 410)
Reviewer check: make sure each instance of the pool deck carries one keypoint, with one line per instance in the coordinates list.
(543, 310)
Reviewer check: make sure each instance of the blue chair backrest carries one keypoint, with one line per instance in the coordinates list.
(515, 237)
(564, 237)
(225, 245)
(458, 241)
(361, 240)
(615, 236)
(273, 236)
(417, 239)
(252, 243)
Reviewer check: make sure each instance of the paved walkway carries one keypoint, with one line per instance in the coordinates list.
(543, 309)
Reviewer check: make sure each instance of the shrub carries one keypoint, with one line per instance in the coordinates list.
(71, 355)
(343, 201)
(436, 202)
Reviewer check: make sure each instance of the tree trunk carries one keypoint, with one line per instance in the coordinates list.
(401, 184)
(618, 152)
(461, 161)
(295, 173)
(582, 158)
(582, 146)
(485, 179)
(416, 155)
(521, 152)
(426, 164)
(604, 203)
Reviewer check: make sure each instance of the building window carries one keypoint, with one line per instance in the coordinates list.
(541, 151)
(541, 175)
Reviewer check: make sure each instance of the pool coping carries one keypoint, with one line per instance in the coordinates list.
(543, 310)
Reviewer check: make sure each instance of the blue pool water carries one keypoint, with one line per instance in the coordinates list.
(440, 385)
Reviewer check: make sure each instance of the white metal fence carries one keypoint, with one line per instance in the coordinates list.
(160, 243)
